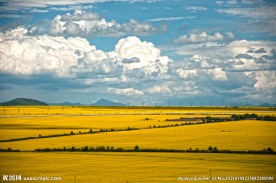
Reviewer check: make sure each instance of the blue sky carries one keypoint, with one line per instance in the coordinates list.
(151, 52)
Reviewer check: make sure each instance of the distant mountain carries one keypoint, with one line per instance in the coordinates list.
(104, 102)
(24, 102)
(267, 105)
(66, 104)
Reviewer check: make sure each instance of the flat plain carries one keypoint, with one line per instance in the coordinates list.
(136, 167)
(152, 132)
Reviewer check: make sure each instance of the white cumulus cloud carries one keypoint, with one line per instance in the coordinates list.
(23, 54)
(182, 73)
(159, 89)
(266, 80)
(126, 91)
(84, 24)
(239, 55)
(141, 55)
(218, 74)
(204, 37)
(132, 60)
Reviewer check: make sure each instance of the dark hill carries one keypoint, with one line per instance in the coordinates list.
(104, 102)
(24, 102)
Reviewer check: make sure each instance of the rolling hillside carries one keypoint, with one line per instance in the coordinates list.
(23, 102)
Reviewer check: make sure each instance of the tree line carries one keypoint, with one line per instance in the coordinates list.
(92, 132)
(238, 117)
(138, 149)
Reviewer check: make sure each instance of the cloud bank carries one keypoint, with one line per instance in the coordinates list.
(87, 24)
(137, 68)
(76, 58)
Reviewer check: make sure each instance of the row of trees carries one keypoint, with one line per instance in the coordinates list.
(9, 150)
(84, 149)
(237, 117)
(91, 132)
(137, 149)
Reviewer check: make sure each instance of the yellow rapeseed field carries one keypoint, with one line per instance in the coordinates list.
(82, 110)
(136, 167)
(20, 122)
(240, 135)
(25, 126)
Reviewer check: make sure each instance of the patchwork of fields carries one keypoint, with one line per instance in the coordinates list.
(152, 132)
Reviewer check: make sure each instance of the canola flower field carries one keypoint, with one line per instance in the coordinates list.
(153, 131)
